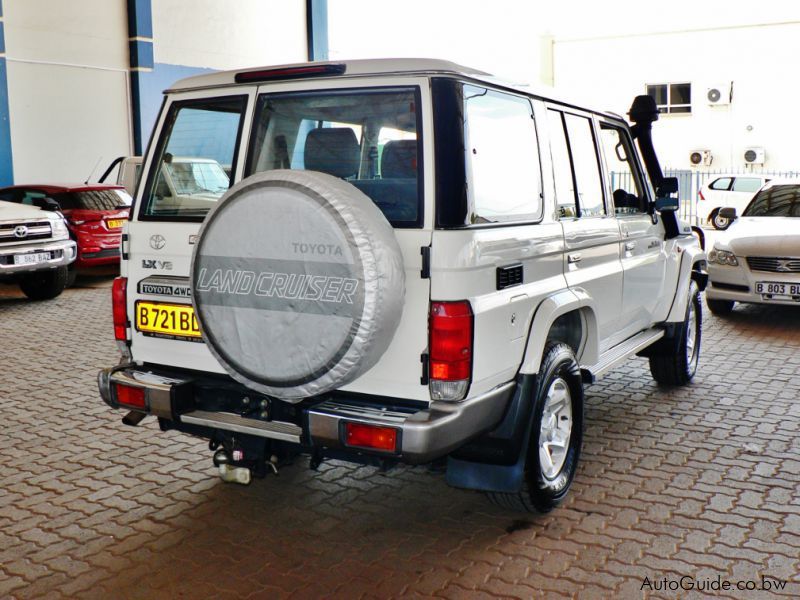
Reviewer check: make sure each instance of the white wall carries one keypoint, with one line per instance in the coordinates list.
(758, 59)
(67, 85)
(229, 34)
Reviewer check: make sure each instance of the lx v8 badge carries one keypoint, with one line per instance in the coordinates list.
(164, 265)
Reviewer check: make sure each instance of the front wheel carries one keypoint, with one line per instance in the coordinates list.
(44, 285)
(678, 365)
(556, 434)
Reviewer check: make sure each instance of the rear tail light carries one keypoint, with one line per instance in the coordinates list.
(450, 347)
(131, 397)
(370, 436)
(300, 72)
(119, 309)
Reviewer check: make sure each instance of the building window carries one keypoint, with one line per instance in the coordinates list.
(672, 97)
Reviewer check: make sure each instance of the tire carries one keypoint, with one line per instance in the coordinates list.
(719, 222)
(549, 475)
(72, 275)
(298, 283)
(44, 285)
(678, 365)
(720, 308)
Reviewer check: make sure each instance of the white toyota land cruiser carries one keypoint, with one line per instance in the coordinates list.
(35, 248)
(414, 263)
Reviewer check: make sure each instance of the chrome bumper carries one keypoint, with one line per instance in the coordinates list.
(424, 434)
(63, 252)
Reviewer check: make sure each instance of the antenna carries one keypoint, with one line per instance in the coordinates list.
(93, 170)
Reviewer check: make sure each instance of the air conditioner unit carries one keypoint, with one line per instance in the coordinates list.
(755, 156)
(719, 94)
(701, 158)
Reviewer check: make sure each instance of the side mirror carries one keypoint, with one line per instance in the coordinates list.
(667, 203)
(728, 213)
(668, 186)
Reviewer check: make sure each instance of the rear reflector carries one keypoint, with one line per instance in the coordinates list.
(131, 397)
(370, 436)
(119, 293)
(289, 73)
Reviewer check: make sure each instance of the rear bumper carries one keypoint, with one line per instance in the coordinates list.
(62, 253)
(424, 433)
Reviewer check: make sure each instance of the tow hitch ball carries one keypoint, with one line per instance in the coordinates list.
(235, 467)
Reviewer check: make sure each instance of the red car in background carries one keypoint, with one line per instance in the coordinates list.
(94, 212)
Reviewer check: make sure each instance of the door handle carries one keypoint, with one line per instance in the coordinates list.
(573, 258)
(629, 246)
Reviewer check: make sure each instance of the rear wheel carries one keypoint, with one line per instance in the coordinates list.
(720, 308)
(678, 365)
(44, 285)
(555, 438)
(719, 222)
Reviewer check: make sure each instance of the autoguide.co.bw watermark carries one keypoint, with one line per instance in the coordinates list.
(688, 583)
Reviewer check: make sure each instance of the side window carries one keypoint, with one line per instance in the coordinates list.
(585, 166)
(195, 156)
(621, 170)
(723, 183)
(562, 169)
(502, 157)
(746, 184)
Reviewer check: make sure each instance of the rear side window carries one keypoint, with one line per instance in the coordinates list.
(195, 158)
(502, 157)
(371, 138)
(723, 183)
(746, 184)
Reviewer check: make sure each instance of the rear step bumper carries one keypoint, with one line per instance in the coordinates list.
(423, 434)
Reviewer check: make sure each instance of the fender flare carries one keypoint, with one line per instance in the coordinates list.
(546, 313)
(693, 264)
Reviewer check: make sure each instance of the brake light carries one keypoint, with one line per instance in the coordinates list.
(118, 308)
(131, 397)
(289, 73)
(370, 436)
(450, 347)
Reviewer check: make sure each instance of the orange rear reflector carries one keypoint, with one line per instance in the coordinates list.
(370, 436)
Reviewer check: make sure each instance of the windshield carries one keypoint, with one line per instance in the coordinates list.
(775, 201)
(368, 137)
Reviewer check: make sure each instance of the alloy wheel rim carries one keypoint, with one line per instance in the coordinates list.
(555, 429)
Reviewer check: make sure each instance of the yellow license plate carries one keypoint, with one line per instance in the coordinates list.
(115, 223)
(175, 321)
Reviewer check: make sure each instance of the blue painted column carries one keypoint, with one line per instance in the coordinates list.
(317, 29)
(6, 157)
(140, 46)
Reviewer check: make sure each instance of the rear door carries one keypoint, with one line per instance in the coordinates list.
(591, 232)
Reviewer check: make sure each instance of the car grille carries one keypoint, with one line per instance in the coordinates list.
(34, 230)
(773, 264)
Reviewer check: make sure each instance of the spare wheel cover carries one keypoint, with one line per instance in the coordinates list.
(297, 283)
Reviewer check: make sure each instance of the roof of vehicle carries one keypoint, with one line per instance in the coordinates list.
(60, 188)
(377, 66)
(782, 181)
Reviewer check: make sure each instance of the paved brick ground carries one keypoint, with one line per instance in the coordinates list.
(702, 481)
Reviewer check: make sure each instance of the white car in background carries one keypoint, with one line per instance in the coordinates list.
(758, 258)
(735, 191)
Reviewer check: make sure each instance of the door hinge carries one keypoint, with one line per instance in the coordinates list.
(124, 246)
(425, 273)
(424, 359)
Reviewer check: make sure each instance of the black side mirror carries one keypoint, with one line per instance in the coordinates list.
(728, 213)
(47, 204)
(667, 187)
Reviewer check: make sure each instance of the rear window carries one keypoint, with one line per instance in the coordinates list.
(775, 201)
(93, 200)
(371, 138)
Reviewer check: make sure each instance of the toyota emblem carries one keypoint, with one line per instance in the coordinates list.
(157, 242)
(20, 231)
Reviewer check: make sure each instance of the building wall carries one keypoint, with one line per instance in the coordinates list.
(610, 71)
(75, 97)
(67, 87)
